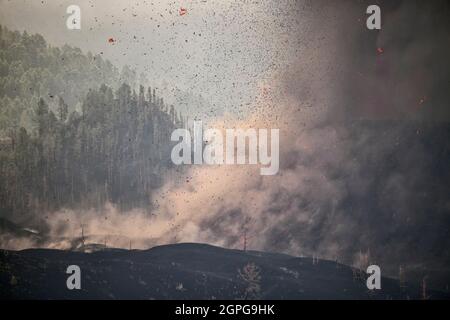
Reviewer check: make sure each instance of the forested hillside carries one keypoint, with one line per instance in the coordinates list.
(114, 148)
(31, 69)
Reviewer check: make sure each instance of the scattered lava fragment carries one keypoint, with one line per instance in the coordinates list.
(111, 40)
(183, 11)
(422, 100)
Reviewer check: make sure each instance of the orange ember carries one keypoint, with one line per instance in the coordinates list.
(183, 11)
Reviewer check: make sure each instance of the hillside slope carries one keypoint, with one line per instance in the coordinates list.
(185, 271)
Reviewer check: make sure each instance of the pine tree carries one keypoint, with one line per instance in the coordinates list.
(63, 110)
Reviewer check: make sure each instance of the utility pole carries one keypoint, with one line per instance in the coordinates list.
(245, 236)
(245, 240)
(424, 289)
(82, 237)
(401, 277)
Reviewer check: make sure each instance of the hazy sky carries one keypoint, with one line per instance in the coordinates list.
(222, 50)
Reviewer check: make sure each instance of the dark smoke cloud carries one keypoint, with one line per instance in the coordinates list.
(402, 71)
(364, 174)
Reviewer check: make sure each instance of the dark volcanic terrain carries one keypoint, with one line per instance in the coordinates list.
(187, 271)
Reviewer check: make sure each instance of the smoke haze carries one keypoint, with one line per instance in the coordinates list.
(364, 151)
